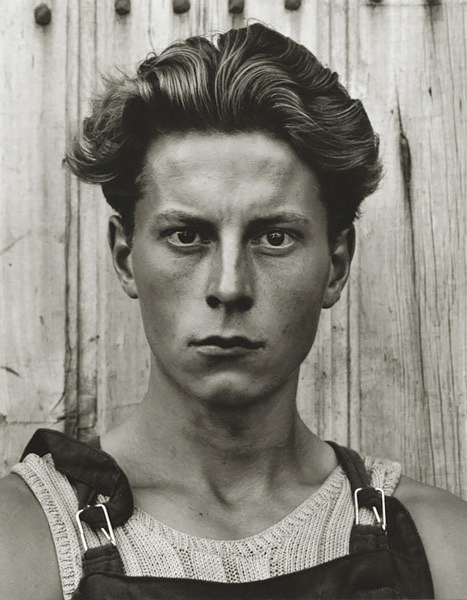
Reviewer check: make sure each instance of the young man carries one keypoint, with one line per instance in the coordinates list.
(236, 170)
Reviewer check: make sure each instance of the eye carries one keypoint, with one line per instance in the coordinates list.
(276, 238)
(186, 237)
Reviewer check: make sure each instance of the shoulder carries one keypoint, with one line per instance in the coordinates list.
(28, 563)
(441, 520)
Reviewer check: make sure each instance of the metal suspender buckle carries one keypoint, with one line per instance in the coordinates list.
(109, 534)
(381, 519)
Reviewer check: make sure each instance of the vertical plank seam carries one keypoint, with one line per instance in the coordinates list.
(406, 168)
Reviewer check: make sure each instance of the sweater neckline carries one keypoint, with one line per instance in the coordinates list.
(319, 499)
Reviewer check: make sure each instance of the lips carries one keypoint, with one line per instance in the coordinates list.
(227, 343)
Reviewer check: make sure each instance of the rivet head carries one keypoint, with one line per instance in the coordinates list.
(122, 7)
(236, 7)
(181, 6)
(293, 4)
(42, 14)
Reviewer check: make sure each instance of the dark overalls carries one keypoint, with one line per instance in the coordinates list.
(384, 561)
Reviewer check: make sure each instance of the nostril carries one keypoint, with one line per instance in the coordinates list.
(241, 304)
(212, 301)
(244, 304)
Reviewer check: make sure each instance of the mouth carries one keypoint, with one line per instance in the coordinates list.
(228, 343)
(218, 347)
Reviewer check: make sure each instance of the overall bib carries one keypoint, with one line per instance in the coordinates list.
(386, 560)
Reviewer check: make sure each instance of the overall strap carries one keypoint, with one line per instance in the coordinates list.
(363, 492)
(353, 466)
(400, 539)
(92, 471)
(363, 538)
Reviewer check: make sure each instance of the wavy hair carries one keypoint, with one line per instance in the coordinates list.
(246, 79)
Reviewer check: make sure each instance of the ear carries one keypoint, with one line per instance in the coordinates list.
(341, 257)
(121, 256)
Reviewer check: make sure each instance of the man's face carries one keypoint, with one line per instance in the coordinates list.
(231, 263)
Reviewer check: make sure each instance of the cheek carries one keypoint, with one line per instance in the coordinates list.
(167, 289)
(299, 298)
(158, 273)
(158, 287)
(303, 281)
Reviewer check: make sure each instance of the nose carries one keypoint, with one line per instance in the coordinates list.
(230, 283)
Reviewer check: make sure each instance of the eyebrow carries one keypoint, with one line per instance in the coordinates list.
(281, 217)
(175, 216)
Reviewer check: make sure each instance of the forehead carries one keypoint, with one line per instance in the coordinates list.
(239, 172)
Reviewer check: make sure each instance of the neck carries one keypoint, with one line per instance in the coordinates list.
(228, 449)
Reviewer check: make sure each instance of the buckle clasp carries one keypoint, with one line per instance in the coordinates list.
(381, 519)
(109, 534)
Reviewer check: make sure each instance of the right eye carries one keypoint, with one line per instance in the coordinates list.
(186, 238)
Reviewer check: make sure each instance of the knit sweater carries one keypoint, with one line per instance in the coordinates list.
(317, 531)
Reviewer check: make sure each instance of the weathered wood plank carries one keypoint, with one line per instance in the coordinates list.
(412, 249)
(434, 86)
(33, 349)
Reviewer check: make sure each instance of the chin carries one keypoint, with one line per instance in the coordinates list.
(230, 393)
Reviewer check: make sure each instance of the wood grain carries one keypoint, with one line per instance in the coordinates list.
(33, 346)
(387, 374)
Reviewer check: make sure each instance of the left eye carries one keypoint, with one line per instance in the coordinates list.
(276, 238)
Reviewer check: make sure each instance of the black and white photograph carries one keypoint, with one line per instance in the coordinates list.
(233, 281)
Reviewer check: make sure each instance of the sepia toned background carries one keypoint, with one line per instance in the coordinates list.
(387, 375)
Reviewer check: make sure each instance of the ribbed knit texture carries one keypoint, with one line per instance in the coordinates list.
(317, 531)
